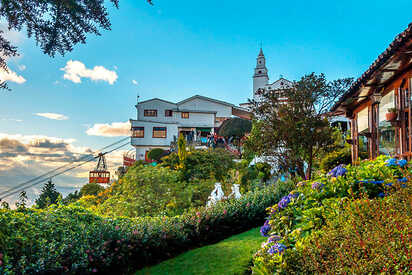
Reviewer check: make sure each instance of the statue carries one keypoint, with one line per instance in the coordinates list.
(235, 192)
(216, 195)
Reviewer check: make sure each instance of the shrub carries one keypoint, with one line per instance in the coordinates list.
(374, 234)
(70, 239)
(91, 189)
(156, 154)
(308, 208)
(204, 164)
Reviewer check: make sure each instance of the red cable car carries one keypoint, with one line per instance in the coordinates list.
(100, 174)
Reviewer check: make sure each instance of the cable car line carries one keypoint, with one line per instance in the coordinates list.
(61, 167)
(11, 192)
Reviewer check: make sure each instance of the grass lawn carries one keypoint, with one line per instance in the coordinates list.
(230, 256)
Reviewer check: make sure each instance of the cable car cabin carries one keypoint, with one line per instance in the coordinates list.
(99, 177)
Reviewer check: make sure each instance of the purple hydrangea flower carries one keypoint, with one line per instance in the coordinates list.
(381, 195)
(277, 248)
(338, 171)
(293, 196)
(403, 180)
(402, 163)
(273, 238)
(317, 185)
(264, 230)
(284, 202)
(389, 184)
(392, 162)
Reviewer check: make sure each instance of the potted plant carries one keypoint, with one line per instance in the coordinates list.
(392, 114)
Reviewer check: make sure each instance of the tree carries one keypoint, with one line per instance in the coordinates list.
(48, 196)
(56, 25)
(71, 197)
(235, 127)
(295, 131)
(22, 201)
(120, 172)
(91, 189)
(156, 154)
(181, 149)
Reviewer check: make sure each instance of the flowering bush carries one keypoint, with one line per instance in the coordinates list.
(296, 217)
(71, 239)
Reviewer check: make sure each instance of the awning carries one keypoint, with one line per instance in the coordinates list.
(204, 129)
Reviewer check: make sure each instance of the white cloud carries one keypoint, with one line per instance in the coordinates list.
(135, 82)
(11, 76)
(12, 119)
(53, 116)
(24, 157)
(115, 129)
(75, 70)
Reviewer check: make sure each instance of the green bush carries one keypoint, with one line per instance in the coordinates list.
(156, 154)
(307, 209)
(70, 239)
(373, 234)
(206, 164)
(91, 189)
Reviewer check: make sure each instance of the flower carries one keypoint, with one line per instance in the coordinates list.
(273, 238)
(264, 230)
(392, 162)
(317, 185)
(338, 171)
(403, 180)
(301, 184)
(402, 163)
(277, 248)
(94, 270)
(389, 184)
(381, 195)
(284, 202)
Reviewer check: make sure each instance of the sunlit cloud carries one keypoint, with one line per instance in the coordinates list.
(11, 76)
(53, 116)
(76, 70)
(115, 129)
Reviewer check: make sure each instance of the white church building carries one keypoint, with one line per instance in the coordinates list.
(160, 122)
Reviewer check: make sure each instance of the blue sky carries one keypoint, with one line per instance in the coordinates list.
(176, 49)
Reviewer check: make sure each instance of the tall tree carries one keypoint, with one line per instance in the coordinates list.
(48, 196)
(22, 201)
(294, 131)
(56, 25)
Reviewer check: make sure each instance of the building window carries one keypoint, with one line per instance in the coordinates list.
(185, 114)
(168, 113)
(159, 132)
(138, 132)
(150, 112)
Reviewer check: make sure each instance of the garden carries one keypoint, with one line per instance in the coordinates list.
(352, 220)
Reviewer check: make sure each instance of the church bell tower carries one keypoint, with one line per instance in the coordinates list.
(260, 78)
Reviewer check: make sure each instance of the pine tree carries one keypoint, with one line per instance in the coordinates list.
(22, 202)
(48, 196)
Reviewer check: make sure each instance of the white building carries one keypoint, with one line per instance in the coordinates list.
(261, 79)
(160, 122)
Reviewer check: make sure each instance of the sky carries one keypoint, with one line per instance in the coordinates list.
(64, 107)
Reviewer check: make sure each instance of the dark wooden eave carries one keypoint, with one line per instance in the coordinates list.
(394, 61)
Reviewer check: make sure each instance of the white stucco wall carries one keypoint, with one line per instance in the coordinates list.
(158, 105)
(199, 104)
(195, 119)
(148, 140)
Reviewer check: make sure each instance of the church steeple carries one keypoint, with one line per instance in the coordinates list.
(260, 78)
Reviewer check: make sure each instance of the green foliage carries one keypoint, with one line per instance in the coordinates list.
(374, 234)
(322, 202)
(206, 164)
(296, 131)
(71, 197)
(91, 189)
(181, 149)
(235, 127)
(237, 252)
(48, 196)
(70, 239)
(156, 154)
(22, 201)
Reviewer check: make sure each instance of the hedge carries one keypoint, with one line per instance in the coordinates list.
(73, 240)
